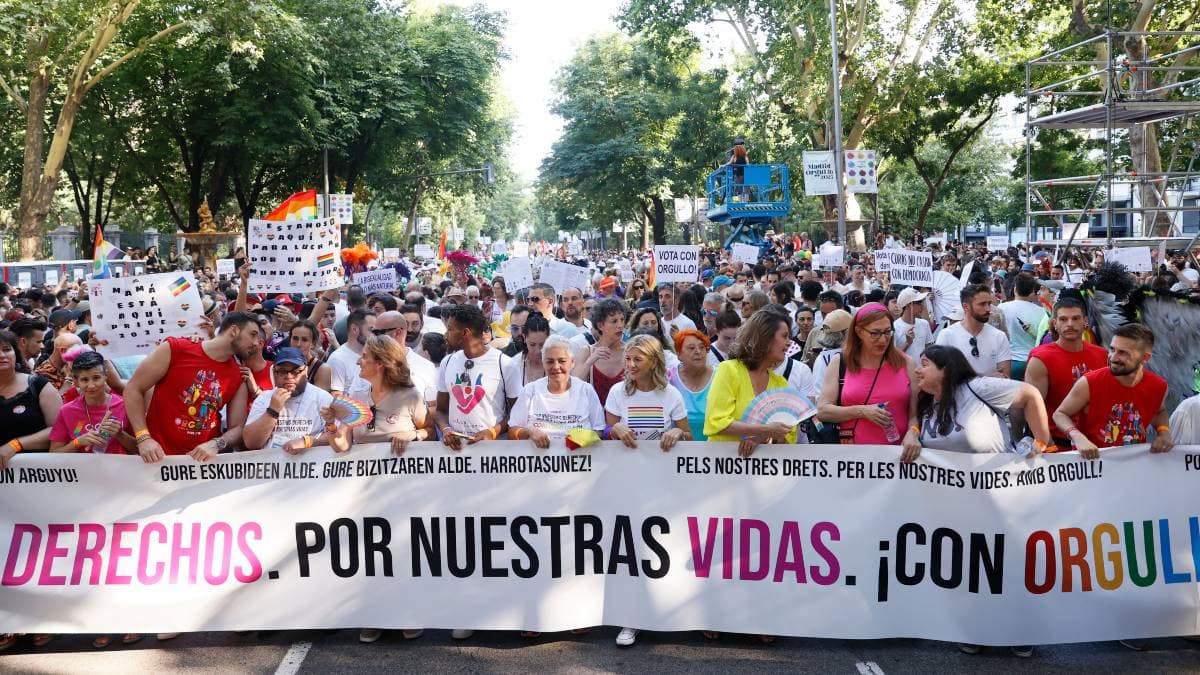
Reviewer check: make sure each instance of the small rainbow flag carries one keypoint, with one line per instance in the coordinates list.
(181, 284)
(325, 259)
(300, 206)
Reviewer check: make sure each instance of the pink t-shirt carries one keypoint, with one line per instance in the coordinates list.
(74, 420)
(892, 388)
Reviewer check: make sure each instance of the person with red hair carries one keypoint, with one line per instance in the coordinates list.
(693, 377)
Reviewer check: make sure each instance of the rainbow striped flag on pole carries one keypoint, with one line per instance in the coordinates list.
(100, 252)
(300, 206)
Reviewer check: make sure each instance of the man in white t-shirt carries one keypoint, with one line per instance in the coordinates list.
(986, 348)
(573, 312)
(477, 385)
(668, 303)
(912, 331)
(1023, 316)
(541, 300)
(289, 411)
(343, 362)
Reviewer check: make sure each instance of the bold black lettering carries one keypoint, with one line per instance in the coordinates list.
(902, 574)
(524, 571)
(941, 535)
(992, 562)
(660, 551)
(585, 542)
(555, 523)
(305, 549)
(490, 545)
(468, 567)
(335, 547)
(621, 552)
(377, 536)
(429, 542)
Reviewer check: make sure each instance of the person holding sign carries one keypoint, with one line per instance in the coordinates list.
(193, 381)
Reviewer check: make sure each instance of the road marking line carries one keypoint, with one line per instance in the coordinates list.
(869, 668)
(290, 665)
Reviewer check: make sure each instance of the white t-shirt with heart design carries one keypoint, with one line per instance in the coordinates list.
(477, 393)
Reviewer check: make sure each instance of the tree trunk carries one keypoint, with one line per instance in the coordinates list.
(1143, 150)
(412, 218)
(659, 220)
(35, 198)
(645, 229)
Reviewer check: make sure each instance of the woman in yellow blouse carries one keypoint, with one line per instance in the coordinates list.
(761, 345)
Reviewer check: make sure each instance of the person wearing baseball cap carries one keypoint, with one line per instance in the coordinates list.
(913, 333)
(291, 410)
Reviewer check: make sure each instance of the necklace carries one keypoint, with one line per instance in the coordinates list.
(88, 412)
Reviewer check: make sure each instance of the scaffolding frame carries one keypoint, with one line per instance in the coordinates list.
(1121, 103)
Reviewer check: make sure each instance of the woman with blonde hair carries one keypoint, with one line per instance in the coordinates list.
(868, 388)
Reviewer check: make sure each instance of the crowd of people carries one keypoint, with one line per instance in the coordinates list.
(1013, 366)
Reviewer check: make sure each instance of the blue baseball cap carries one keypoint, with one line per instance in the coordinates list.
(289, 355)
(722, 281)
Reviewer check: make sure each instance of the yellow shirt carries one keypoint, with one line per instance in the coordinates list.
(730, 394)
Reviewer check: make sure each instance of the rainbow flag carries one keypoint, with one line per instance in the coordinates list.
(181, 284)
(325, 259)
(650, 281)
(441, 252)
(300, 206)
(100, 253)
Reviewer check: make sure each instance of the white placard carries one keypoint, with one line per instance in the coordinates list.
(997, 242)
(294, 256)
(377, 281)
(50, 277)
(520, 249)
(226, 267)
(77, 273)
(563, 275)
(747, 253)
(830, 257)
(911, 268)
(138, 270)
(485, 240)
(820, 177)
(500, 248)
(1134, 258)
(676, 263)
(131, 315)
(391, 254)
(575, 248)
(25, 280)
(458, 233)
(341, 208)
(424, 225)
(423, 251)
(883, 261)
(861, 171)
(517, 273)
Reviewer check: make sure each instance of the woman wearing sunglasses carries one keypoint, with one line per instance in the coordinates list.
(876, 402)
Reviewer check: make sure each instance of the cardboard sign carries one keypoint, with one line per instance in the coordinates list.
(830, 257)
(911, 268)
(883, 261)
(225, 267)
(423, 251)
(997, 242)
(77, 273)
(391, 254)
(50, 277)
(294, 256)
(747, 253)
(562, 276)
(500, 248)
(24, 279)
(520, 249)
(132, 315)
(676, 263)
(517, 273)
(377, 281)
(1134, 258)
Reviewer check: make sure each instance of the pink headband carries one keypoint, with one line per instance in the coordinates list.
(868, 308)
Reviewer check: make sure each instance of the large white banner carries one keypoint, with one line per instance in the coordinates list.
(820, 176)
(294, 256)
(131, 315)
(821, 541)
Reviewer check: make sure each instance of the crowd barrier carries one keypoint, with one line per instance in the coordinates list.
(819, 541)
(49, 272)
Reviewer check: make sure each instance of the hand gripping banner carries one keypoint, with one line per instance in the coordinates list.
(820, 541)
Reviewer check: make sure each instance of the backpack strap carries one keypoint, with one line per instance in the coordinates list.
(715, 353)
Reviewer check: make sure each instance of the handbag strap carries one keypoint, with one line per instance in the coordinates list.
(870, 390)
(1002, 417)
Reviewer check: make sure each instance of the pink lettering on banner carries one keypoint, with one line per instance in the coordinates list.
(754, 545)
(791, 554)
(53, 552)
(20, 530)
(116, 552)
(90, 548)
(143, 575)
(218, 575)
(763, 531)
(179, 551)
(254, 570)
(819, 547)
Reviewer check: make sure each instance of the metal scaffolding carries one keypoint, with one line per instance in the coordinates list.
(1116, 97)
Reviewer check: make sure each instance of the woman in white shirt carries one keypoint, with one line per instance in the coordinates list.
(550, 407)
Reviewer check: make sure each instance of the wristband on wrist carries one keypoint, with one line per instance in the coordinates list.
(308, 441)
(273, 412)
(1161, 428)
(915, 429)
(515, 433)
(492, 431)
(1039, 446)
(16, 446)
(607, 433)
(75, 443)
(138, 433)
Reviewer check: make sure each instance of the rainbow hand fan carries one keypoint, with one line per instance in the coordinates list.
(779, 405)
(351, 412)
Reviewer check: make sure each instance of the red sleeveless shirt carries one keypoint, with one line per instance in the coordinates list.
(185, 410)
(1120, 415)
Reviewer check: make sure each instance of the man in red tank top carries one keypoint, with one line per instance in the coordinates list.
(1119, 404)
(192, 382)
(1053, 369)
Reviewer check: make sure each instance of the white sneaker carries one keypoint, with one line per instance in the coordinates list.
(168, 636)
(461, 633)
(627, 637)
(369, 635)
(413, 633)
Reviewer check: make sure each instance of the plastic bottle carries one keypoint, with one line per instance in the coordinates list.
(890, 431)
(1025, 446)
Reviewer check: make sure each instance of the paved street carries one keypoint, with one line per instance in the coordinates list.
(289, 652)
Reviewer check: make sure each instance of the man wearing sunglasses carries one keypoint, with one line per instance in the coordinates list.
(987, 348)
(289, 411)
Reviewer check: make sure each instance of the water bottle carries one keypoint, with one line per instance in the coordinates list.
(890, 431)
(1025, 446)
